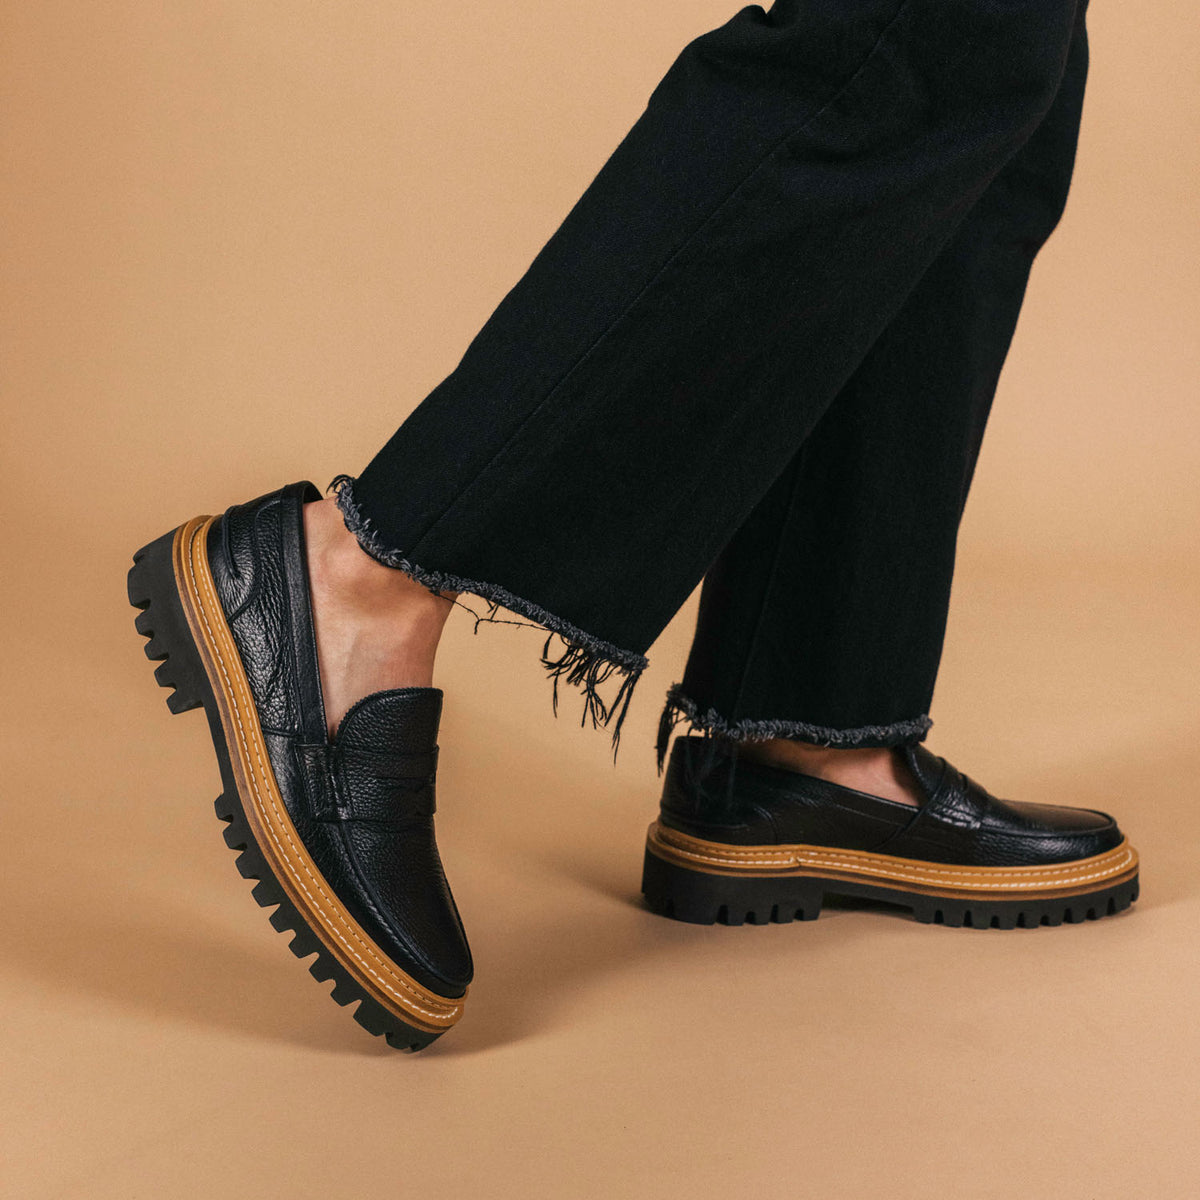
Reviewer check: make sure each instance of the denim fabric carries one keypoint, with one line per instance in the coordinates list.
(760, 350)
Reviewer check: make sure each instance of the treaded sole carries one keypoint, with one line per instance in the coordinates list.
(707, 898)
(162, 622)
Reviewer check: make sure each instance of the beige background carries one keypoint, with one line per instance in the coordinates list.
(240, 242)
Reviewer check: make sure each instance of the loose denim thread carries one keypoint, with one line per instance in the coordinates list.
(709, 723)
(586, 661)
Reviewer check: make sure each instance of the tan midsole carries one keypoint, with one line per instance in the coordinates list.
(885, 870)
(268, 817)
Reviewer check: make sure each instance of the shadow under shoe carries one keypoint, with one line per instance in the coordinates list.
(339, 832)
(739, 841)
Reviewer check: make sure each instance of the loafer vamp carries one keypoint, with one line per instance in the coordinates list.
(387, 871)
(962, 822)
(400, 871)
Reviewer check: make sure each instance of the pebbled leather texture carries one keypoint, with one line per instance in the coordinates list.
(709, 792)
(363, 802)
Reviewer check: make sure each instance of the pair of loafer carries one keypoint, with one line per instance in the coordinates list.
(339, 831)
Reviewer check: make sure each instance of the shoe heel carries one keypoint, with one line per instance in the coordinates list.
(705, 898)
(153, 589)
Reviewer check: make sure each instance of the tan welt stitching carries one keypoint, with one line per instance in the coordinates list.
(863, 865)
(413, 997)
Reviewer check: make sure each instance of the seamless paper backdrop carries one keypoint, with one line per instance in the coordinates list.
(239, 243)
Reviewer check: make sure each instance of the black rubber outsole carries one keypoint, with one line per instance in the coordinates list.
(152, 590)
(703, 898)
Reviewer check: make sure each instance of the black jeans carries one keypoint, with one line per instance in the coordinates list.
(759, 351)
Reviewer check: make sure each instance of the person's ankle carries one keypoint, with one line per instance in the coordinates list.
(878, 771)
(344, 570)
(376, 627)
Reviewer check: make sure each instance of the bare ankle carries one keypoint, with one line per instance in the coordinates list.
(345, 572)
(376, 627)
(802, 755)
(877, 770)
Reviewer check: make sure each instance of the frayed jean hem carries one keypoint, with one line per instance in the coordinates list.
(586, 662)
(681, 708)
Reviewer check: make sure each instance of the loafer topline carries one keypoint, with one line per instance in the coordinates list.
(739, 841)
(338, 831)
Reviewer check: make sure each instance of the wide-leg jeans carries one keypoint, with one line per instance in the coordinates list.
(759, 352)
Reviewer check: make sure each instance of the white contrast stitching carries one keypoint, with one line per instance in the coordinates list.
(337, 919)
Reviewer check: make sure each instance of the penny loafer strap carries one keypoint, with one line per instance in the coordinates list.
(957, 801)
(351, 783)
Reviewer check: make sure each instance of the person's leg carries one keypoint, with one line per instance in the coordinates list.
(821, 627)
(637, 392)
(608, 431)
(821, 624)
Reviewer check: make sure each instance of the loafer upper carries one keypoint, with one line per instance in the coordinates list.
(362, 802)
(711, 793)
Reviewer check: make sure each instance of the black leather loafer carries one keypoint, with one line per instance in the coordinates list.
(338, 832)
(741, 841)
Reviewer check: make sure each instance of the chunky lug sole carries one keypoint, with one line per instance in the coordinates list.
(704, 882)
(171, 582)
